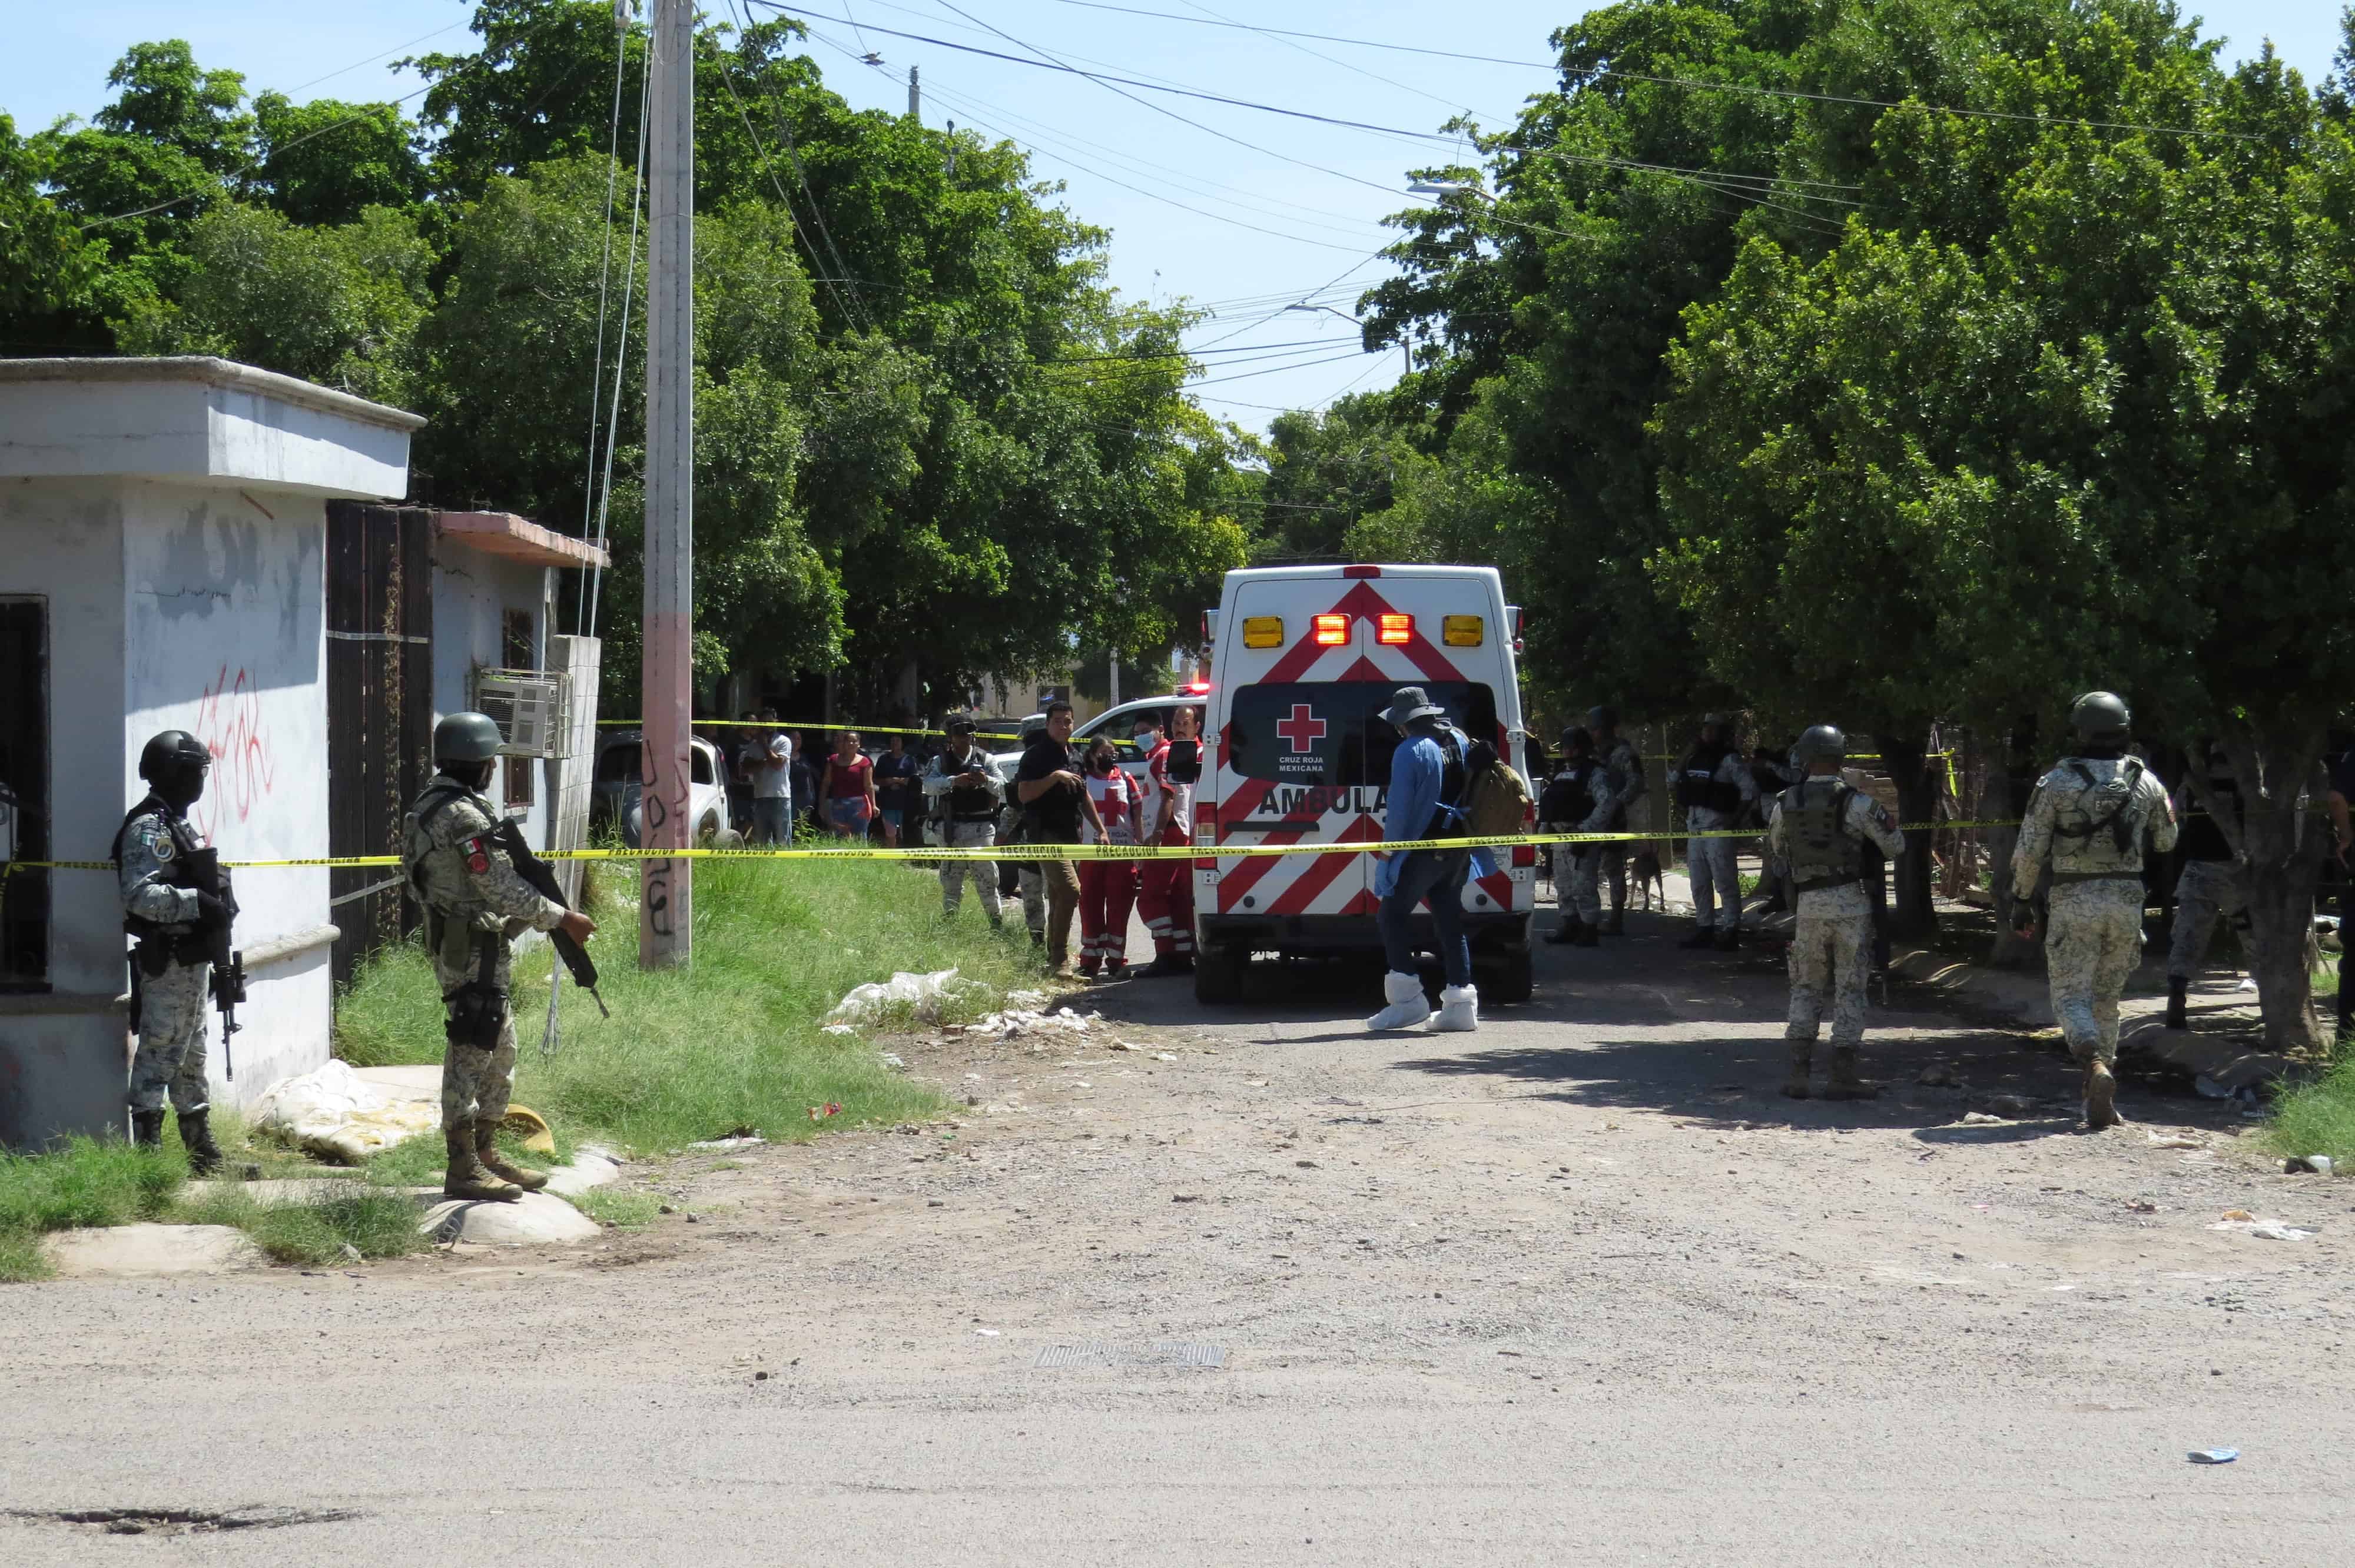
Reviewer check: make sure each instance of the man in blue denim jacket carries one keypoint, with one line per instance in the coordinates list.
(1428, 780)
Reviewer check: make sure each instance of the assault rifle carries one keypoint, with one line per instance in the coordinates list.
(541, 878)
(228, 982)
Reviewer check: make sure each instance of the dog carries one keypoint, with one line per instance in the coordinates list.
(1649, 885)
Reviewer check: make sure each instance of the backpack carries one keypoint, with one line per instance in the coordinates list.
(1497, 799)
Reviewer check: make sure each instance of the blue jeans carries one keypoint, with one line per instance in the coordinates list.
(773, 820)
(1440, 877)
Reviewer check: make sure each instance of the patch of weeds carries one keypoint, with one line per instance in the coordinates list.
(390, 1014)
(726, 1165)
(88, 1181)
(21, 1257)
(373, 1220)
(621, 1209)
(2318, 1118)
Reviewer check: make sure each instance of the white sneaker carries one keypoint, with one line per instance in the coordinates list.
(1408, 1006)
(1459, 1009)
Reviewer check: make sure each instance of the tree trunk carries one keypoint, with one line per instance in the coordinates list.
(1913, 913)
(2009, 784)
(2284, 850)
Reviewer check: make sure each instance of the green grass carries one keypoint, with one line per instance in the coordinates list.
(731, 1042)
(623, 1209)
(372, 1218)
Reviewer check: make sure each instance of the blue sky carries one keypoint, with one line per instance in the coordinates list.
(1240, 229)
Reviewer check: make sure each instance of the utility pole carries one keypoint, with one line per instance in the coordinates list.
(1113, 680)
(666, 902)
(915, 97)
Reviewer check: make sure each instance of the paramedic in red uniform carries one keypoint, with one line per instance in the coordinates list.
(1166, 899)
(1107, 888)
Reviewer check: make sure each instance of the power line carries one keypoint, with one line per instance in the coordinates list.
(1319, 37)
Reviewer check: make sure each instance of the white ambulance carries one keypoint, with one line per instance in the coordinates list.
(1305, 660)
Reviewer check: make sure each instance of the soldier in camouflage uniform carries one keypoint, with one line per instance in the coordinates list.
(2089, 817)
(1578, 800)
(1819, 828)
(2209, 888)
(173, 917)
(1714, 787)
(1626, 766)
(474, 903)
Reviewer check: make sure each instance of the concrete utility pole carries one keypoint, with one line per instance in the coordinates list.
(915, 97)
(1113, 679)
(666, 902)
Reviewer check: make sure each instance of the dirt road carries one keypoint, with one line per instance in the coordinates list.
(1579, 1284)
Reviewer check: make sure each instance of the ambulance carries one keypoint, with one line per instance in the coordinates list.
(1305, 661)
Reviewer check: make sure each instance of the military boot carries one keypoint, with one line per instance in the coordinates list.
(487, 1155)
(1565, 931)
(466, 1178)
(1588, 936)
(1702, 937)
(1845, 1084)
(1803, 1057)
(2101, 1096)
(2178, 998)
(147, 1128)
(197, 1137)
(1729, 939)
(1616, 923)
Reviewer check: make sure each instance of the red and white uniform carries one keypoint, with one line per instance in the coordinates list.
(1165, 893)
(1108, 888)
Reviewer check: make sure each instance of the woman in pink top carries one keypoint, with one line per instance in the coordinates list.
(848, 788)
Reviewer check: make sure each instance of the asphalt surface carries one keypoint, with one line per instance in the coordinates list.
(1579, 1285)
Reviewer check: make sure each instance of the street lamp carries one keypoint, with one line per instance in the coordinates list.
(1404, 348)
(1446, 188)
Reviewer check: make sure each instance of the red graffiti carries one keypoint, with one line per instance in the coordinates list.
(228, 721)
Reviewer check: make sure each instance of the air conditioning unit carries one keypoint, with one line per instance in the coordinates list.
(532, 708)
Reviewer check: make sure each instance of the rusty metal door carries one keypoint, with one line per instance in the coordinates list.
(380, 710)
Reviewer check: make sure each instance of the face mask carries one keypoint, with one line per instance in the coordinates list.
(1102, 766)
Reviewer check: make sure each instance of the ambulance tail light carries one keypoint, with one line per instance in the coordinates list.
(1527, 854)
(1332, 630)
(1395, 630)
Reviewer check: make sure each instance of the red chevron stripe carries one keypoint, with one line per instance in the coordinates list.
(1296, 898)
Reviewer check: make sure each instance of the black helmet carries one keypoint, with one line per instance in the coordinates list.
(172, 750)
(1822, 740)
(1576, 739)
(2101, 718)
(466, 738)
(1602, 716)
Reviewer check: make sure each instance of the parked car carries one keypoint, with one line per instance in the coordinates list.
(1117, 722)
(614, 795)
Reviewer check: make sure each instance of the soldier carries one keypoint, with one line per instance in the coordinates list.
(1713, 786)
(172, 917)
(1579, 798)
(1819, 828)
(475, 903)
(967, 790)
(2209, 886)
(2090, 816)
(1628, 784)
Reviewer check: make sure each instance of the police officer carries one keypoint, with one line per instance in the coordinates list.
(966, 790)
(1713, 786)
(2209, 887)
(173, 918)
(2089, 818)
(1579, 798)
(1628, 785)
(1817, 828)
(475, 903)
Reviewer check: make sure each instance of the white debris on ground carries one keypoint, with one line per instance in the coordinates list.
(1033, 1025)
(334, 1113)
(920, 997)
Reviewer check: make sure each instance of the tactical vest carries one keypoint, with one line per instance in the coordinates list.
(1821, 850)
(2203, 836)
(969, 803)
(1570, 794)
(1452, 778)
(1698, 786)
(2108, 808)
(184, 849)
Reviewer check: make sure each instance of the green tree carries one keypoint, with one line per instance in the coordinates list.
(324, 161)
(47, 264)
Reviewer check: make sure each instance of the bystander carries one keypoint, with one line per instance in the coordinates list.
(1055, 801)
(768, 759)
(848, 788)
(897, 775)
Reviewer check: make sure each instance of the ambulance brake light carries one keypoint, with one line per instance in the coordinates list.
(1332, 630)
(1394, 629)
(1263, 631)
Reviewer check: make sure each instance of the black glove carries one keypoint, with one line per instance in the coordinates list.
(211, 911)
(2023, 916)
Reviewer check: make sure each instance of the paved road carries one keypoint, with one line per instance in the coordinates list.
(1579, 1285)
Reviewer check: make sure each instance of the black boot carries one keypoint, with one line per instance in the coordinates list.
(2177, 990)
(147, 1128)
(1616, 923)
(1702, 937)
(197, 1137)
(1588, 937)
(1729, 939)
(1565, 931)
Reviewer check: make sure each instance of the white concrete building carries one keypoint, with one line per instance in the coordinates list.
(162, 548)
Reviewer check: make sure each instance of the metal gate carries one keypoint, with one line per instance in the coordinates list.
(380, 710)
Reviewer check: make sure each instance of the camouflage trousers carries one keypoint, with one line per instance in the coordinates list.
(171, 1051)
(475, 1083)
(2207, 890)
(1831, 951)
(1577, 887)
(1034, 898)
(984, 873)
(2093, 940)
(1716, 877)
(1611, 867)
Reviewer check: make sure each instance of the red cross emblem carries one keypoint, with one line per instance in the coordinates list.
(1303, 730)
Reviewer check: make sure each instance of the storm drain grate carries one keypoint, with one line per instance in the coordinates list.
(1160, 1354)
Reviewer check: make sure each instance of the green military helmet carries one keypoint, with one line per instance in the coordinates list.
(2101, 718)
(1821, 741)
(466, 738)
(169, 751)
(1603, 718)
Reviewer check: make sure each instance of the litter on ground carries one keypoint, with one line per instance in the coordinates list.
(333, 1113)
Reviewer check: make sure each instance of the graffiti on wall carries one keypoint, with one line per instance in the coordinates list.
(230, 723)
